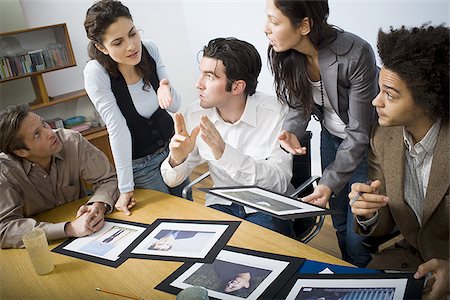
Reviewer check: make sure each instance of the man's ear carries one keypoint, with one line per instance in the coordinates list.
(21, 153)
(305, 26)
(101, 49)
(238, 87)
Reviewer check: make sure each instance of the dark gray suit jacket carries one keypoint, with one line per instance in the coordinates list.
(350, 77)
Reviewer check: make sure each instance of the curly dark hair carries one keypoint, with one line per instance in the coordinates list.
(240, 58)
(98, 18)
(420, 56)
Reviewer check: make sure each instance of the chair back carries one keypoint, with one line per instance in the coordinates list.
(306, 228)
(301, 168)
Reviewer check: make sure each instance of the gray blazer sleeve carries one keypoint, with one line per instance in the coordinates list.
(362, 77)
(295, 123)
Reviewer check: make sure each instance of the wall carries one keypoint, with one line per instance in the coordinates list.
(11, 19)
(181, 27)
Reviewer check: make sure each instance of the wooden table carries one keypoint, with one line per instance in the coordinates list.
(77, 279)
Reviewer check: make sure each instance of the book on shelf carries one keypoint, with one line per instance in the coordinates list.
(33, 61)
(37, 59)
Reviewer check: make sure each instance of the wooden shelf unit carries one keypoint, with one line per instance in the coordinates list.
(34, 51)
(59, 99)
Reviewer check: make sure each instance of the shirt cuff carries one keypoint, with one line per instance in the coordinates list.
(171, 175)
(55, 231)
(365, 224)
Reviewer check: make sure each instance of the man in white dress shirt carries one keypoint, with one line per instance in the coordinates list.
(238, 130)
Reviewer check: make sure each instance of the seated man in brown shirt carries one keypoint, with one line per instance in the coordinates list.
(40, 169)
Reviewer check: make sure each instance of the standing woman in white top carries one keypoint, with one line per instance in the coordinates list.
(332, 74)
(127, 83)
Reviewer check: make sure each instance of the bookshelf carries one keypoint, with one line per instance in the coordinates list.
(34, 51)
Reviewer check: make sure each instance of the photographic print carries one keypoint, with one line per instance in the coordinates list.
(227, 277)
(184, 240)
(106, 245)
(107, 241)
(393, 286)
(236, 273)
(280, 206)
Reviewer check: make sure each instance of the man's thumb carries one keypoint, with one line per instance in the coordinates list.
(195, 133)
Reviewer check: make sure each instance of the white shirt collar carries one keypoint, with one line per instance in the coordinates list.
(428, 141)
(248, 116)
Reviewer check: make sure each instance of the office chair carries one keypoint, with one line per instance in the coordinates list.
(304, 229)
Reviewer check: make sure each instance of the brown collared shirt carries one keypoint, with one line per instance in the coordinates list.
(27, 189)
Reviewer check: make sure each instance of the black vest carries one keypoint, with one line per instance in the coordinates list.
(147, 135)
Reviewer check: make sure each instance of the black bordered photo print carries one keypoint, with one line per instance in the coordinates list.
(278, 205)
(183, 240)
(390, 286)
(106, 245)
(236, 273)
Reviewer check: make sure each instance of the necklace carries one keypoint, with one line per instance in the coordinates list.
(321, 95)
(321, 107)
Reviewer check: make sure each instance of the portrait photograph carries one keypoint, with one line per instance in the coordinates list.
(106, 245)
(235, 274)
(389, 286)
(107, 241)
(278, 205)
(184, 240)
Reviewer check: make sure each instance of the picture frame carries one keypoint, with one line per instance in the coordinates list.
(393, 286)
(107, 245)
(236, 273)
(275, 204)
(183, 240)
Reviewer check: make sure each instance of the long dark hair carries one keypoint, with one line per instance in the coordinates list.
(289, 67)
(98, 18)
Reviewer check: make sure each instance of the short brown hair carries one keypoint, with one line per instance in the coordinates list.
(11, 119)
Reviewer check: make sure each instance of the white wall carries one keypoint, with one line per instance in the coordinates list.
(181, 27)
(11, 19)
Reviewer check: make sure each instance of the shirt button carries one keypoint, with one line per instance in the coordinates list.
(59, 202)
(33, 165)
(404, 265)
(45, 176)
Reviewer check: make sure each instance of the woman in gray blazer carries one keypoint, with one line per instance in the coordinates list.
(323, 71)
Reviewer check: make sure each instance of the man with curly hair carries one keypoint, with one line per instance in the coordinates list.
(408, 159)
